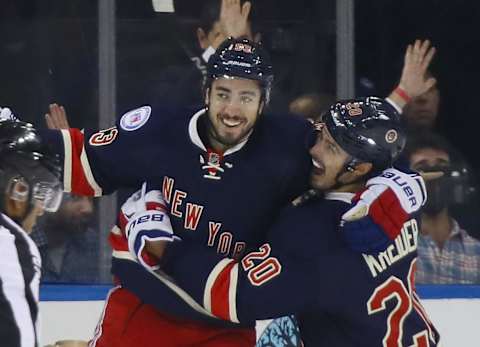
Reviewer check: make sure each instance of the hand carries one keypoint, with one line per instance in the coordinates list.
(148, 229)
(233, 21)
(414, 80)
(7, 115)
(379, 212)
(57, 118)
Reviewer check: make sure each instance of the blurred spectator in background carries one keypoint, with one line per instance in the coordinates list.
(68, 244)
(421, 112)
(446, 252)
(219, 19)
(311, 105)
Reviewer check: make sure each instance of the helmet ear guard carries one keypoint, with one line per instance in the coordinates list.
(18, 189)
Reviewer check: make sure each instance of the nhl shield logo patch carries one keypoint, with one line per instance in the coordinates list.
(135, 119)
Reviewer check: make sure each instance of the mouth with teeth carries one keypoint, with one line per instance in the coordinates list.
(318, 168)
(230, 122)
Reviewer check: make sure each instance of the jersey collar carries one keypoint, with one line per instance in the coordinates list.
(341, 196)
(197, 141)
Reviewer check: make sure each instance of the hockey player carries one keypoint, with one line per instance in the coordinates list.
(29, 185)
(202, 161)
(341, 297)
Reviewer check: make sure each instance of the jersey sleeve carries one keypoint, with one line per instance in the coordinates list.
(99, 162)
(271, 281)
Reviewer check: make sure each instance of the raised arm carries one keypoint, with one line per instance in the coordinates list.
(414, 80)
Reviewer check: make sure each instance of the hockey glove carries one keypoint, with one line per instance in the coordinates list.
(379, 211)
(148, 221)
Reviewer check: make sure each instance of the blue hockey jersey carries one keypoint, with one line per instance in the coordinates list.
(223, 202)
(341, 298)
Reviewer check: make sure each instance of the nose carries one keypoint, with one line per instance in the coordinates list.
(232, 108)
(315, 150)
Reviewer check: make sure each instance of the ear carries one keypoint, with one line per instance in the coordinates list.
(358, 171)
(361, 169)
(202, 39)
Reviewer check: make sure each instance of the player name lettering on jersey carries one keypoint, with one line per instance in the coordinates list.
(191, 214)
(404, 244)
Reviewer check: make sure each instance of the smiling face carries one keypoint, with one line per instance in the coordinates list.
(328, 160)
(234, 105)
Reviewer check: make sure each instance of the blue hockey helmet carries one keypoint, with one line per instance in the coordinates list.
(369, 129)
(241, 58)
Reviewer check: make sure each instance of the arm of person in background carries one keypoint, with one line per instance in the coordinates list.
(414, 80)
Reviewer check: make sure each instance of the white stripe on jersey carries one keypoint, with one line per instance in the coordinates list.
(13, 283)
(88, 173)
(67, 162)
(232, 294)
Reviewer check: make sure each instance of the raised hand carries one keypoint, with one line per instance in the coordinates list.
(234, 21)
(57, 117)
(415, 80)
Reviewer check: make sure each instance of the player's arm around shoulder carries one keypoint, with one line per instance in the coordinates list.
(380, 211)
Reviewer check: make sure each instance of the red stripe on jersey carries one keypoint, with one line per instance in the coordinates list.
(220, 293)
(148, 258)
(118, 242)
(122, 221)
(387, 212)
(79, 181)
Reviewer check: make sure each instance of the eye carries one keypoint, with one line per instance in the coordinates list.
(222, 96)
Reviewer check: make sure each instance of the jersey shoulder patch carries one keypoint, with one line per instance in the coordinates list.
(135, 119)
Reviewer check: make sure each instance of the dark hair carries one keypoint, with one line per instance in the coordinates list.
(427, 139)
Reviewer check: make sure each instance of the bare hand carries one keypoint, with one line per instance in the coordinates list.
(414, 80)
(234, 21)
(57, 117)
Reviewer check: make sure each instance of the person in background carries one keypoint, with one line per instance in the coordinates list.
(181, 84)
(447, 253)
(421, 112)
(311, 105)
(67, 242)
(29, 185)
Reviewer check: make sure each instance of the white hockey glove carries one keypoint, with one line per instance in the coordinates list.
(379, 212)
(148, 220)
